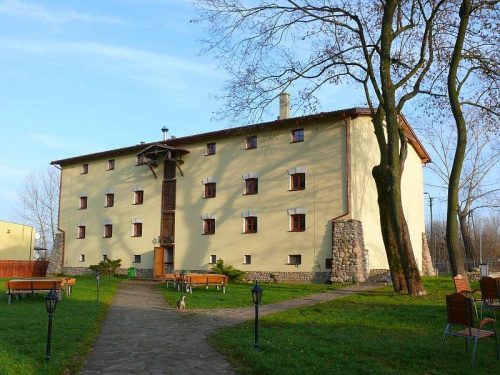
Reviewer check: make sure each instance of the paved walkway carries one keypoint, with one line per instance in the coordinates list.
(142, 334)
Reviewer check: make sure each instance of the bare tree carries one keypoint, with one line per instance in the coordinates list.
(39, 203)
(387, 48)
(466, 75)
(478, 186)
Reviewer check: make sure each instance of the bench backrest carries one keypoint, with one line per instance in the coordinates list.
(33, 285)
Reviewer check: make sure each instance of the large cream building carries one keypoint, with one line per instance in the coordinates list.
(265, 198)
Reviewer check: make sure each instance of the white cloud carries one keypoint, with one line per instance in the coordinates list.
(20, 9)
(149, 68)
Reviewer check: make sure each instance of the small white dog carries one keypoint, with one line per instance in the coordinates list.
(181, 304)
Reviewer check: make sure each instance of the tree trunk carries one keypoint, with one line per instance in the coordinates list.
(470, 251)
(452, 242)
(387, 174)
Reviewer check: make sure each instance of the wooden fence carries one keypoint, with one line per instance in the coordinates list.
(23, 268)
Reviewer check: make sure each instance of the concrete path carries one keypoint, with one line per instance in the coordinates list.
(143, 335)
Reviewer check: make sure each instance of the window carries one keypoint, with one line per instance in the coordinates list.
(81, 231)
(139, 197)
(139, 160)
(298, 223)
(85, 168)
(104, 257)
(82, 257)
(251, 186)
(110, 200)
(328, 263)
(295, 259)
(108, 230)
(298, 181)
(210, 190)
(137, 230)
(213, 259)
(83, 203)
(251, 142)
(251, 224)
(137, 259)
(209, 226)
(297, 135)
(111, 164)
(247, 259)
(211, 148)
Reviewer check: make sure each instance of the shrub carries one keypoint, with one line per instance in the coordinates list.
(228, 270)
(106, 267)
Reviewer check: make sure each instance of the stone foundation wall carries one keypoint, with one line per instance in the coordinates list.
(349, 256)
(55, 259)
(380, 276)
(287, 277)
(140, 273)
(427, 267)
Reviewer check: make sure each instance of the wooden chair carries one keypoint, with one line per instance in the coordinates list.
(490, 290)
(462, 286)
(460, 312)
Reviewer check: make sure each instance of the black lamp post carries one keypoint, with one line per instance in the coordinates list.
(109, 274)
(51, 304)
(98, 279)
(257, 297)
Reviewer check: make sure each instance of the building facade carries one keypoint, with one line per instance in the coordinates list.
(264, 198)
(17, 241)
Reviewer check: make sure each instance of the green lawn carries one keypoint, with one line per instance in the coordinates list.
(76, 324)
(239, 295)
(376, 332)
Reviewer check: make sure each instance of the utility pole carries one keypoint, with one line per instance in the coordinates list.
(432, 229)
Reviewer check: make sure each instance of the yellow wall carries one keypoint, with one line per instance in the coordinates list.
(321, 153)
(365, 155)
(122, 180)
(16, 241)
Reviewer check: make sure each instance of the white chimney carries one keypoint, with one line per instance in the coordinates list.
(165, 133)
(284, 106)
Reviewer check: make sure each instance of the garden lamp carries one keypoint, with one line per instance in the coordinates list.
(98, 279)
(257, 297)
(50, 304)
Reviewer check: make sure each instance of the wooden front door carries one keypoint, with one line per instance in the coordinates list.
(159, 262)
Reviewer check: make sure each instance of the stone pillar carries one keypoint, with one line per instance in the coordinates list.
(55, 259)
(427, 268)
(349, 256)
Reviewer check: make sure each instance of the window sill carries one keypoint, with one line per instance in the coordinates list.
(251, 193)
(293, 264)
(135, 236)
(210, 155)
(207, 234)
(297, 141)
(250, 232)
(80, 238)
(296, 231)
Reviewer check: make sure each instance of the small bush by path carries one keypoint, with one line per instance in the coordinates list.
(76, 325)
(239, 295)
(375, 332)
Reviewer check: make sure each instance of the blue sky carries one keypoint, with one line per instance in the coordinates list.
(84, 76)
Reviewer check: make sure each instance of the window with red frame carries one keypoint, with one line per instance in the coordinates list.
(251, 142)
(81, 232)
(298, 181)
(251, 186)
(209, 226)
(108, 230)
(110, 200)
(210, 190)
(85, 168)
(211, 148)
(83, 203)
(298, 222)
(297, 135)
(139, 197)
(137, 229)
(251, 224)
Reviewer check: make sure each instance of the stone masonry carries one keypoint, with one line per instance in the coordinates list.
(427, 267)
(55, 259)
(349, 256)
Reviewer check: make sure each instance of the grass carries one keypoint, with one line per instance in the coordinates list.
(239, 295)
(76, 324)
(376, 332)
